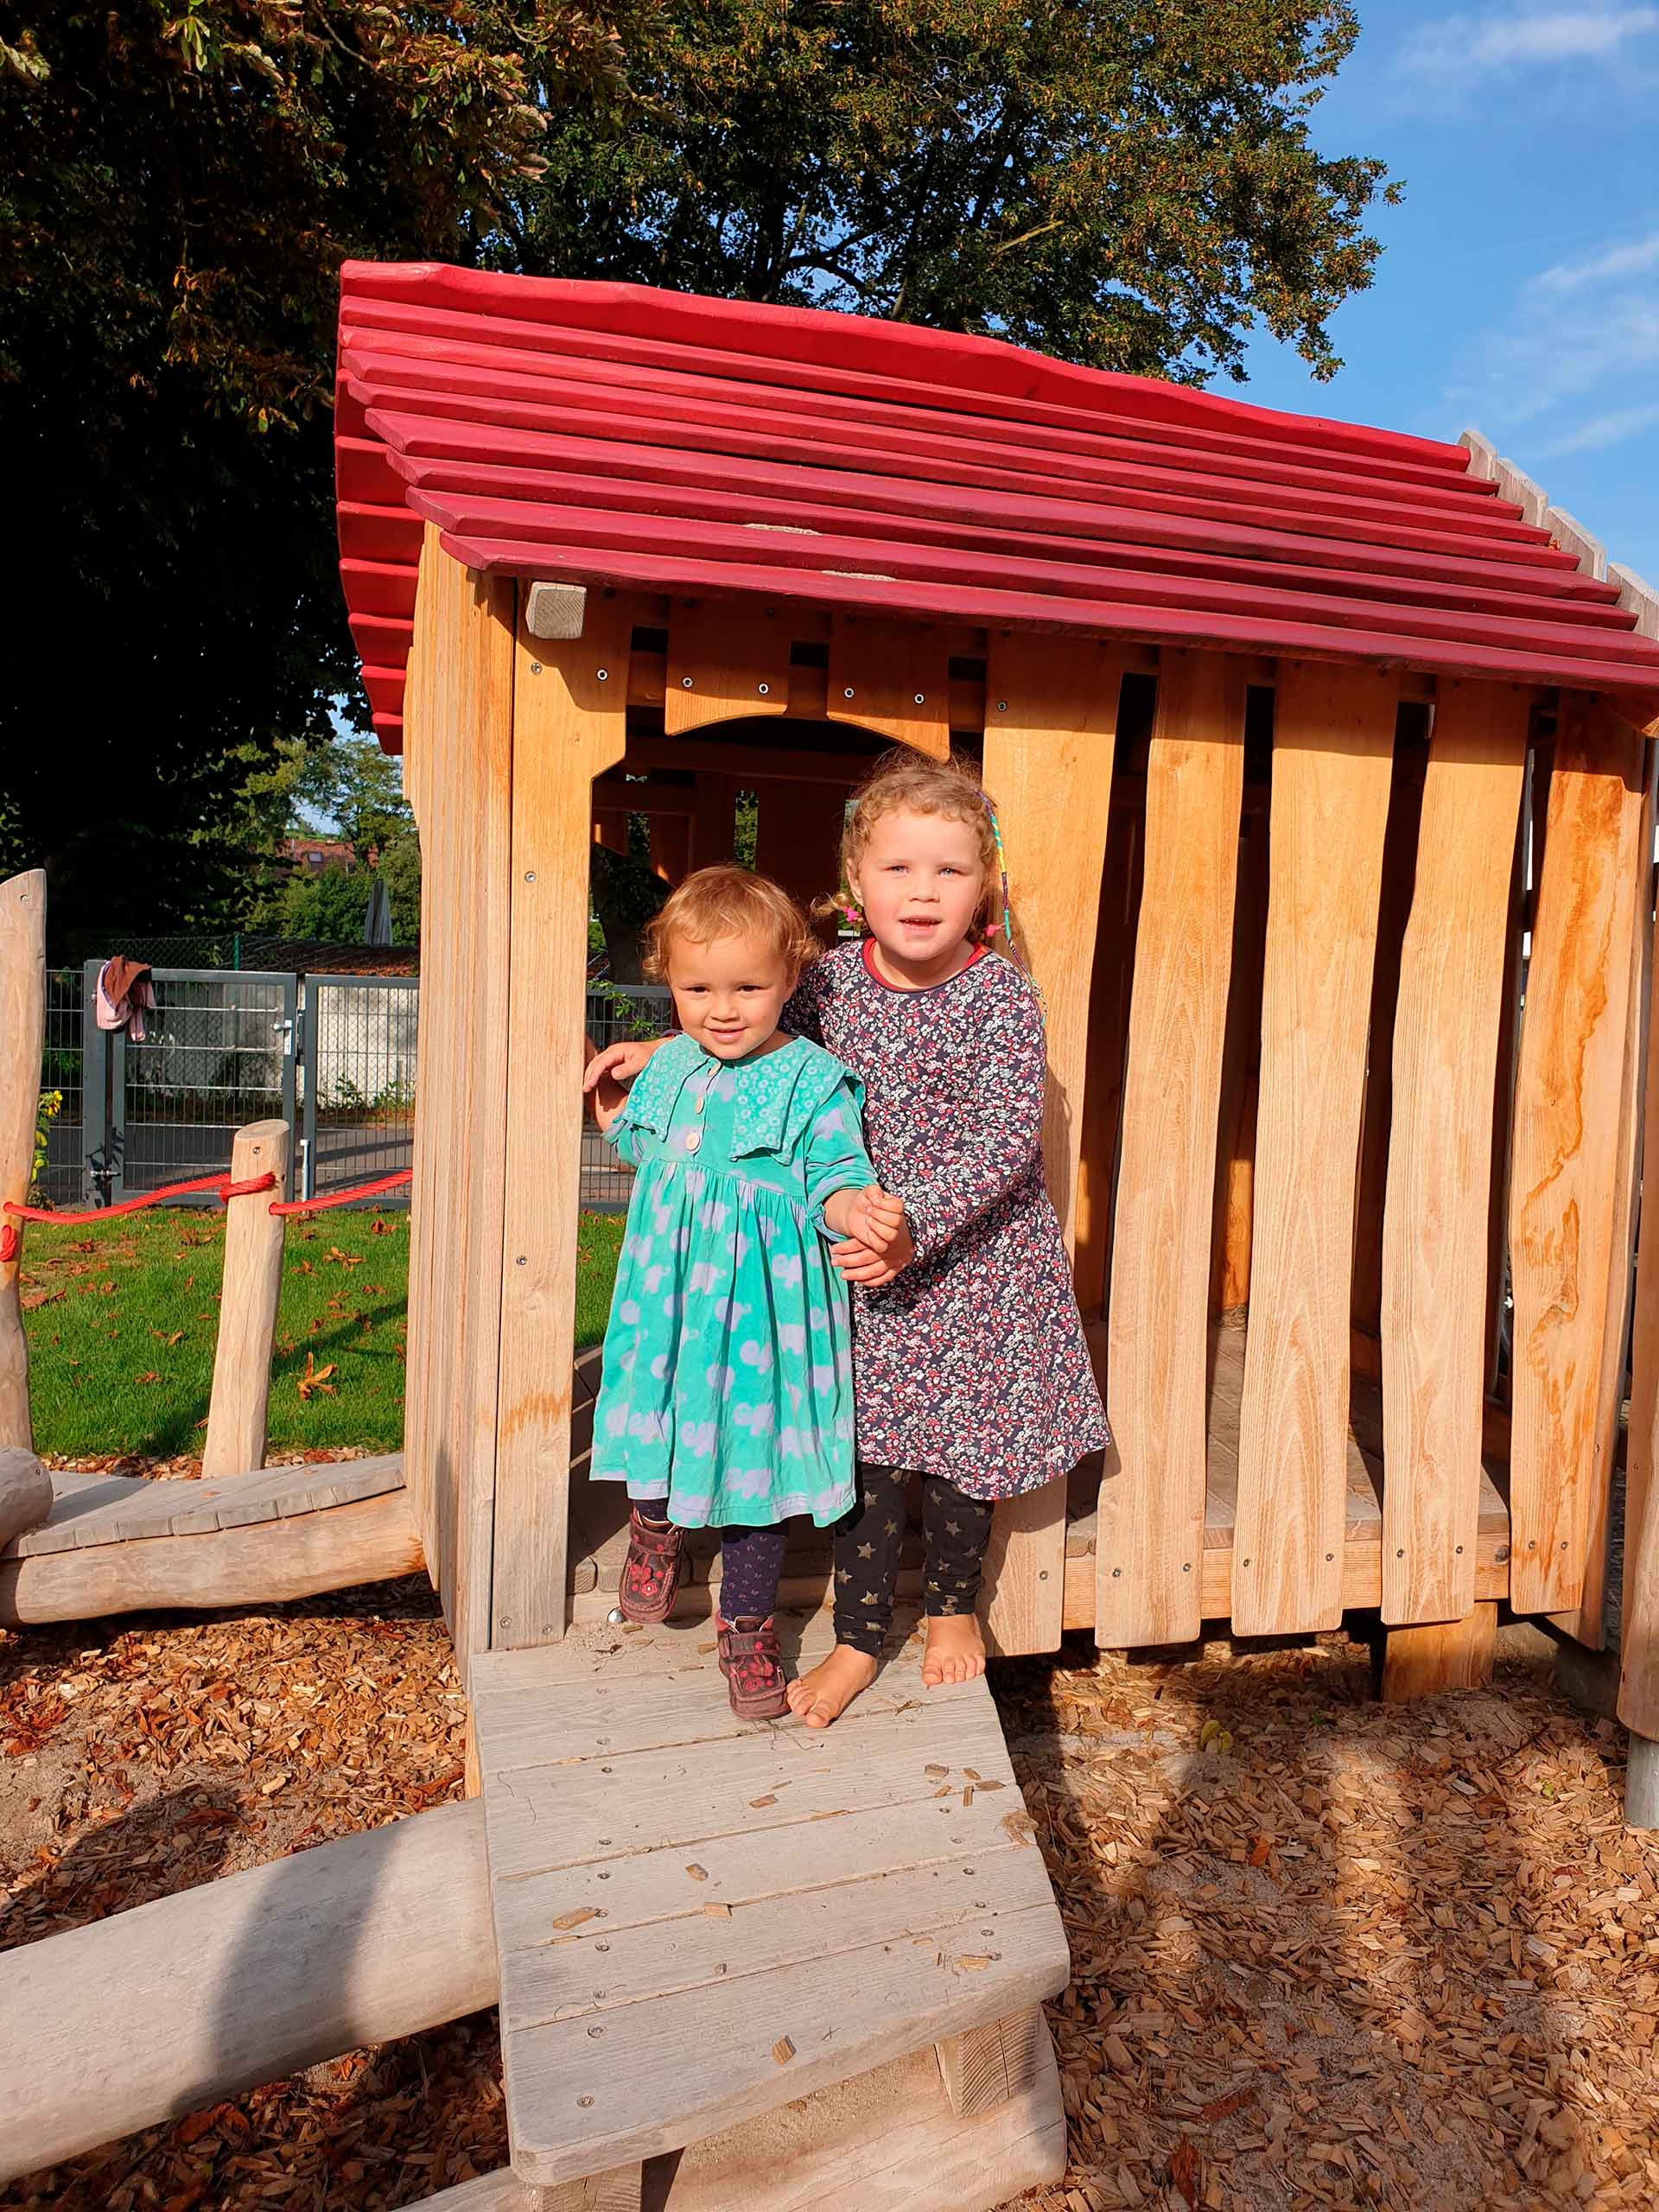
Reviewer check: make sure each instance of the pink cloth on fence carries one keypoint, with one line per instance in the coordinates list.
(126, 994)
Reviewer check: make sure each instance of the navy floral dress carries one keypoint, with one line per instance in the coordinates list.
(972, 1363)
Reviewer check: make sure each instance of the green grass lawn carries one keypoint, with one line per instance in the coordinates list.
(122, 1320)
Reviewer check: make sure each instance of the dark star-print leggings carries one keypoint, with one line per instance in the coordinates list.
(955, 1530)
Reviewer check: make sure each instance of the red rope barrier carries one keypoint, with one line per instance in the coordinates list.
(11, 1237)
(345, 1198)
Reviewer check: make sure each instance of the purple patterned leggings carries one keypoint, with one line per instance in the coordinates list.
(751, 1560)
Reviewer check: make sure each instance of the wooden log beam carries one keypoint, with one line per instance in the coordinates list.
(1564, 1195)
(1333, 752)
(372, 1540)
(244, 1980)
(1051, 709)
(1439, 1157)
(251, 1287)
(25, 1492)
(22, 1037)
(569, 725)
(1151, 1508)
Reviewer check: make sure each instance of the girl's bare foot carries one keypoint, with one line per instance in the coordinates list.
(955, 1650)
(824, 1692)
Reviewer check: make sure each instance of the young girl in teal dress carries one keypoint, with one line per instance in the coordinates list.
(727, 1392)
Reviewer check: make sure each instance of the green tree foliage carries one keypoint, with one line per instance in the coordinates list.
(1130, 185)
(1120, 182)
(180, 181)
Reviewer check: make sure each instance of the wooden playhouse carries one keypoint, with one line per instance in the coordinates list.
(1324, 762)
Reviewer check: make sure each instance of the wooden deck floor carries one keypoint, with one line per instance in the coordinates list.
(699, 1920)
(598, 1511)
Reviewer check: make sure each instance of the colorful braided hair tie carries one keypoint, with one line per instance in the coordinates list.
(1005, 927)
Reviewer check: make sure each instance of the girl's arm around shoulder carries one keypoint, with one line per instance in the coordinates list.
(617, 1066)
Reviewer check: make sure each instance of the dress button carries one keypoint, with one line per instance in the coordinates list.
(693, 1138)
(703, 1100)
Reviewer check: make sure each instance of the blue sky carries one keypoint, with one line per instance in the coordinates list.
(1518, 289)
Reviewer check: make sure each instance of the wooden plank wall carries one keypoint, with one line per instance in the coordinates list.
(1150, 1547)
(1052, 707)
(1566, 1148)
(1333, 742)
(1434, 1259)
(458, 770)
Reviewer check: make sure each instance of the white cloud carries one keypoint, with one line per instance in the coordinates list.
(1522, 38)
(1610, 429)
(1633, 260)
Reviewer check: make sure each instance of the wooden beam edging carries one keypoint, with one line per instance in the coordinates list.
(267, 1562)
(1638, 1684)
(1151, 1523)
(241, 1981)
(1435, 1240)
(22, 1040)
(1051, 712)
(569, 725)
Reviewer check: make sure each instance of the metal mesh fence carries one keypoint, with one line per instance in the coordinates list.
(358, 1078)
(615, 1012)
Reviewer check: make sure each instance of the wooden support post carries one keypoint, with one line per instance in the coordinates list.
(619, 2190)
(1638, 1678)
(1332, 753)
(1241, 1074)
(22, 1040)
(798, 837)
(1433, 1260)
(1149, 1548)
(458, 733)
(1445, 1656)
(1564, 1197)
(983, 2067)
(249, 1295)
(670, 846)
(25, 1492)
(1051, 735)
(246, 1980)
(713, 819)
(569, 726)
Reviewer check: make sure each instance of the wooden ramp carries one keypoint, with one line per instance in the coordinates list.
(93, 1509)
(699, 1920)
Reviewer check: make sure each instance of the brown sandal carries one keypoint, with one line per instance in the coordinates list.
(653, 1572)
(754, 1668)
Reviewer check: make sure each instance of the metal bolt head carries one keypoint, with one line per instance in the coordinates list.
(685, 684)
(530, 875)
(535, 668)
(603, 674)
(765, 690)
(920, 699)
(1001, 706)
(584, 2102)
(846, 692)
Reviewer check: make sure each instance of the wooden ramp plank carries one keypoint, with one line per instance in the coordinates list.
(646, 1904)
(1434, 1251)
(1152, 1505)
(90, 1510)
(1332, 750)
(1563, 1198)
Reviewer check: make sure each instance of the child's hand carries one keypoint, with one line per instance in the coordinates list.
(874, 1218)
(621, 1063)
(858, 1262)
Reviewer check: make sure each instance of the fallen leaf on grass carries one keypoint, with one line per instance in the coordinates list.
(344, 1258)
(315, 1378)
(151, 1377)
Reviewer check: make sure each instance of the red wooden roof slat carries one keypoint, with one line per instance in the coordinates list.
(674, 443)
(1096, 434)
(604, 529)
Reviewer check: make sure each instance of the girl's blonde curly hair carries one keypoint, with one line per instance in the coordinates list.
(730, 901)
(902, 781)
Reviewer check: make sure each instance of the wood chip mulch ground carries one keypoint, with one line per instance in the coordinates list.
(1327, 1953)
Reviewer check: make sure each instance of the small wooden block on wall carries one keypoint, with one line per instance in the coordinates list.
(893, 678)
(727, 659)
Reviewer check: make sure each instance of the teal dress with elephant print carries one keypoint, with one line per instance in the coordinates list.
(727, 1386)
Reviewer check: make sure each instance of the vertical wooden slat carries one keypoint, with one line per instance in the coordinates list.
(569, 726)
(22, 1039)
(670, 846)
(1051, 709)
(713, 819)
(726, 658)
(251, 1287)
(1509, 1041)
(1241, 1074)
(893, 678)
(1638, 1642)
(1433, 1258)
(1109, 996)
(1566, 1145)
(1149, 1549)
(1587, 1621)
(460, 740)
(798, 837)
(1334, 740)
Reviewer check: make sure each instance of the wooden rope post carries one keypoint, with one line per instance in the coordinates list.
(247, 1305)
(22, 1037)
